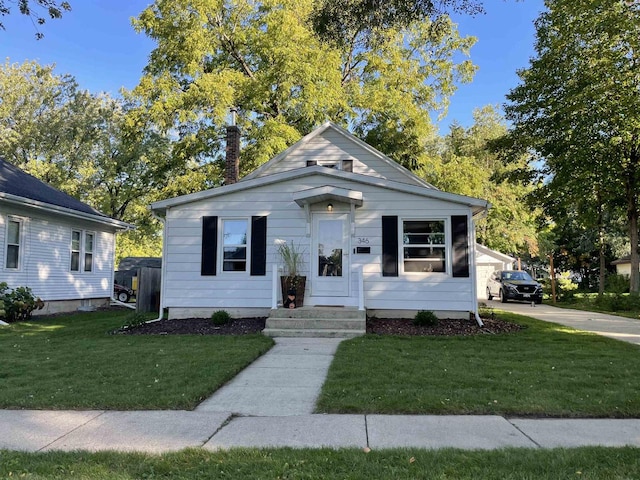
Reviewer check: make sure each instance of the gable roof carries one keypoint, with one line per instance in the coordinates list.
(346, 134)
(477, 205)
(494, 253)
(17, 186)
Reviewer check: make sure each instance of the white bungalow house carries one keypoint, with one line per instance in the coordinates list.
(51, 242)
(396, 243)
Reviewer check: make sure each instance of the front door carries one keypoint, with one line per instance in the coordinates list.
(330, 255)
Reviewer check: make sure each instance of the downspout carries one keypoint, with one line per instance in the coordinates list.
(472, 261)
(162, 264)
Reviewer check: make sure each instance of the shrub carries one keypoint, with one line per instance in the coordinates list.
(616, 284)
(134, 319)
(616, 302)
(221, 317)
(18, 304)
(425, 318)
(565, 287)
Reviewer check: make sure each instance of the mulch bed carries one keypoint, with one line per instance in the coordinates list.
(445, 327)
(379, 326)
(196, 326)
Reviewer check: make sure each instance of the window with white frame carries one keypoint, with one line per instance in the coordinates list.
(424, 246)
(82, 251)
(14, 236)
(234, 245)
(88, 251)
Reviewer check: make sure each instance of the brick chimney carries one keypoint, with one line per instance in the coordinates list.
(232, 158)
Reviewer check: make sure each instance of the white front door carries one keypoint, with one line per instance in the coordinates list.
(330, 255)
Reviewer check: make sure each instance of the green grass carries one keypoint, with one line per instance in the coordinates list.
(543, 370)
(579, 463)
(588, 302)
(73, 362)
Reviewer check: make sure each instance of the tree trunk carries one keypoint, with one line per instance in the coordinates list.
(601, 246)
(632, 216)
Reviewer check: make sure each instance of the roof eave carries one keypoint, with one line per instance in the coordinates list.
(47, 207)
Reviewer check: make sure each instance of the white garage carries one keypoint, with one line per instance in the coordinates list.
(487, 262)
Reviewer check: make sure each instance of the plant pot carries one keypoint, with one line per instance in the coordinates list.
(297, 284)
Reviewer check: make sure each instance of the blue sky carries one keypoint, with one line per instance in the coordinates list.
(97, 45)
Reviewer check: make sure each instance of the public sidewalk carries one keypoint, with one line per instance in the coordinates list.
(163, 431)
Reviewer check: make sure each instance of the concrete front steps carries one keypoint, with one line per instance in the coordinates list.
(327, 322)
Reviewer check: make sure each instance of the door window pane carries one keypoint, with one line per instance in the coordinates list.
(234, 245)
(330, 248)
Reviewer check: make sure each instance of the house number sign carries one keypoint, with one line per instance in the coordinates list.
(362, 241)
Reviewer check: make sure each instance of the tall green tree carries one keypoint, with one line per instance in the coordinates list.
(464, 162)
(87, 146)
(578, 106)
(265, 59)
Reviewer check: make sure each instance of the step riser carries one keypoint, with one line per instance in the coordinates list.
(312, 313)
(315, 323)
(275, 332)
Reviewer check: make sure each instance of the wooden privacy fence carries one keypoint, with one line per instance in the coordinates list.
(148, 295)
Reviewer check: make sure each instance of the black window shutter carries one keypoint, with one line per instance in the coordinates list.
(209, 245)
(389, 246)
(258, 245)
(459, 240)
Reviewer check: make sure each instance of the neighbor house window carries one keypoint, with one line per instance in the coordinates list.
(82, 250)
(424, 246)
(88, 252)
(14, 230)
(234, 245)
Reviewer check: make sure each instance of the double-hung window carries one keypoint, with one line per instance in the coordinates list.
(424, 246)
(234, 245)
(82, 250)
(14, 235)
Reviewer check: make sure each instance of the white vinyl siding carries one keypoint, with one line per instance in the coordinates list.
(45, 257)
(332, 148)
(186, 288)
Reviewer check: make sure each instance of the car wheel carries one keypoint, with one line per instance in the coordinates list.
(123, 297)
(489, 296)
(503, 299)
(538, 301)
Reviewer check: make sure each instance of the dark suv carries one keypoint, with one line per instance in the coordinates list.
(513, 285)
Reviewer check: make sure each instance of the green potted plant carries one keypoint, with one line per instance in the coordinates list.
(292, 281)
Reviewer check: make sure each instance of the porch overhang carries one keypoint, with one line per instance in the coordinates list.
(328, 193)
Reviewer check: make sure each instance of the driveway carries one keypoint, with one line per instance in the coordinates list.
(620, 328)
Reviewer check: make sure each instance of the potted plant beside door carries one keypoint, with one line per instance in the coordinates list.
(292, 282)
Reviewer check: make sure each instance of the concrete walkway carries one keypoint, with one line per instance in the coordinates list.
(284, 381)
(620, 328)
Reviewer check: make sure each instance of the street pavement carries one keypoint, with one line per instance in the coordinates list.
(270, 404)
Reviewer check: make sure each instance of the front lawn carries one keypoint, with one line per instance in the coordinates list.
(621, 304)
(543, 370)
(73, 362)
(579, 463)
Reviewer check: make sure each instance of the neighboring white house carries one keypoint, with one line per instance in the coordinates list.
(51, 242)
(396, 243)
(487, 262)
(623, 265)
